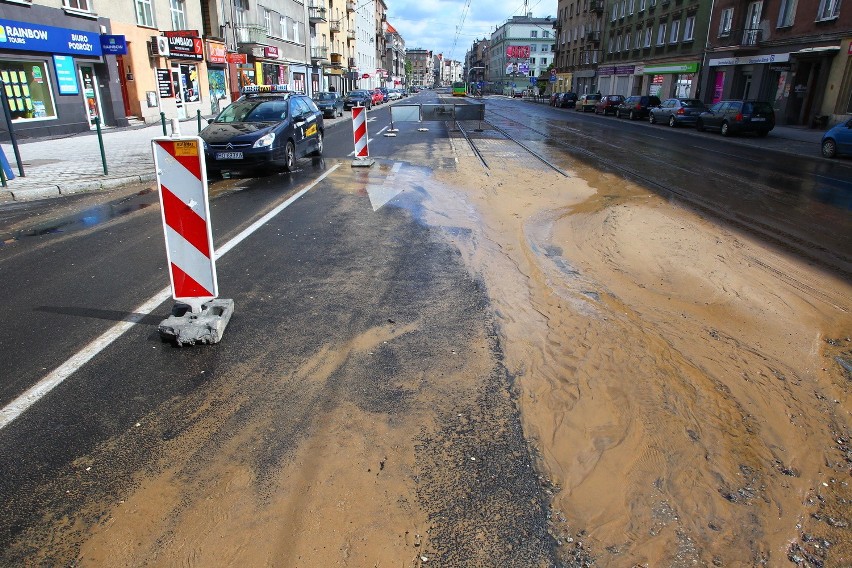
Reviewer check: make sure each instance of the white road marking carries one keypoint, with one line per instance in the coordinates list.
(32, 395)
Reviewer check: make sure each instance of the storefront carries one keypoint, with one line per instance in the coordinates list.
(669, 80)
(563, 82)
(616, 79)
(55, 80)
(585, 81)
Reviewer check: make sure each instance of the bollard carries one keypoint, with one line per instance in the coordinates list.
(199, 120)
(163, 120)
(175, 128)
(101, 143)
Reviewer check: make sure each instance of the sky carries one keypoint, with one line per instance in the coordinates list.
(434, 24)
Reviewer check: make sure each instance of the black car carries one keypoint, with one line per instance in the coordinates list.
(567, 100)
(637, 106)
(359, 97)
(266, 127)
(331, 104)
(735, 117)
(677, 112)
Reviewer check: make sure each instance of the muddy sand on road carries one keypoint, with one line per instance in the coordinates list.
(678, 379)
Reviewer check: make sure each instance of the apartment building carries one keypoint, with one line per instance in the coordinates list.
(520, 50)
(653, 47)
(579, 28)
(394, 60)
(421, 67)
(793, 53)
(333, 43)
(476, 62)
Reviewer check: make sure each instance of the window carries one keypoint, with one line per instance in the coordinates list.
(533, 47)
(725, 20)
(610, 44)
(630, 6)
(615, 12)
(240, 9)
(627, 41)
(641, 5)
(28, 86)
(617, 43)
(673, 36)
(648, 36)
(689, 28)
(545, 33)
(178, 11)
(828, 10)
(787, 13)
(267, 21)
(296, 36)
(623, 8)
(82, 5)
(534, 33)
(544, 61)
(661, 34)
(282, 26)
(145, 13)
(638, 39)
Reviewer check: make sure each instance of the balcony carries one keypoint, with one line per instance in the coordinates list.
(593, 36)
(350, 35)
(589, 58)
(350, 6)
(337, 59)
(746, 39)
(317, 13)
(319, 53)
(334, 26)
(596, 6)
(250, 33)
(351, 62)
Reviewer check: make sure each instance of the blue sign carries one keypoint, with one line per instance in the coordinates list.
(25, 36)
(113, 44)
(4, 163)
(66, 75)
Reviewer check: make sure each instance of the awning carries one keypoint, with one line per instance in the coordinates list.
(824, 49)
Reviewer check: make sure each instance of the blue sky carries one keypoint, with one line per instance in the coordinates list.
(432, 24)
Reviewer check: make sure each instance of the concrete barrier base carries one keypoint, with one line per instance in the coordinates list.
(183, 327)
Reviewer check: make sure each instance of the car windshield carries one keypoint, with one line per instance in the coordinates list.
(691, 103)
(255, 110)
(325, 96)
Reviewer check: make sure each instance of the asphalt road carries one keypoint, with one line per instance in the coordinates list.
(327, 269)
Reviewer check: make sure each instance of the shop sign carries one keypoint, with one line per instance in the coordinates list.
(365, 76)
(624, 69)
(216, 52)
(26, 36)
(66, 75)
(750, 60)
(672, 68)
(238, 58)
(185, 44)
(333, 71)
(113, 44)
(270, 52)
(607, 70)
(164, 83)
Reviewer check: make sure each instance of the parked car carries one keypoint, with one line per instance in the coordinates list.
(331, 104)
(735, 117)
(553, 98)
(587, 102)
(677, 112)
(637, 106)
(394, 94)
(378, 97)
(838, 140)
(568, 100)
(266, 127)
(358, 97)
(607, 105)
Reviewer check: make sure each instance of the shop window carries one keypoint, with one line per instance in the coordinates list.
(145, 13)
(28, 90)
(190, 88)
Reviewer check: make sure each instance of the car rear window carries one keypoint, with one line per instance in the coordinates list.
(752, 108)
(691, 103)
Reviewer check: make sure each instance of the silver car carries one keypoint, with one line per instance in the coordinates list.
(677, 112)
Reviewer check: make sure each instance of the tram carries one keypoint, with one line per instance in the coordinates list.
(459, 89)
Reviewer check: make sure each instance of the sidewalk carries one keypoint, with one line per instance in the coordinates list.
(62, 166)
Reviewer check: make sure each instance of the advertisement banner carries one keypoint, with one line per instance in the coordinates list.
(216, 52)
(24, 36)
(518, 51)
(66, 75)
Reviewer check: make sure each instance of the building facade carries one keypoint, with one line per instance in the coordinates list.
(394, 60)
(57, 78)
(476, 62)
(793, 53)
(421, 66)
(579, 27)
(520, 50)
(653, 47)
(366, 62)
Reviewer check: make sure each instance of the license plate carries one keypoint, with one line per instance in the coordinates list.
(756, 119)
(229, 155)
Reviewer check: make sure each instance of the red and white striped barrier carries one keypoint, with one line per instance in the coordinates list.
(182, 180)
(359, 129)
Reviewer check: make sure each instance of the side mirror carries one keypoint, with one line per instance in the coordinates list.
(210, 121)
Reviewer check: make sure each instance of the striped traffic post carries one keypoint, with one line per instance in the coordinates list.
(359, 129)
(182, 182)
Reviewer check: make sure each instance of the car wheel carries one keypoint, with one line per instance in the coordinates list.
(726, 130)
(699, 126)
(318, 151)
(652, 119)
(672, 122)
(829, 148)
(289, 156)
(632, 115)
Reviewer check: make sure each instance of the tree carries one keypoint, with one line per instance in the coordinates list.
(543, 81)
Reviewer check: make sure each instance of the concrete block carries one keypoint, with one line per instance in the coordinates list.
(183, 327)
(34, 193)
(363, 162)
(148, 177)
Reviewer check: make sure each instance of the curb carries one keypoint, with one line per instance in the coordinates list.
(52, 190)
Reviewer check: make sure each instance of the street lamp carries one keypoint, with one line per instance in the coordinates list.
(470, 72)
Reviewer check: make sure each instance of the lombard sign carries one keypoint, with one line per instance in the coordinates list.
(750, 60)
(185, 44)
(25, 36)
